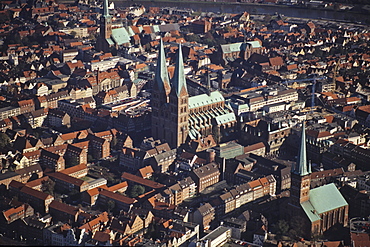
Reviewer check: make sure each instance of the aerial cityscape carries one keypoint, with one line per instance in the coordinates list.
(185, 123)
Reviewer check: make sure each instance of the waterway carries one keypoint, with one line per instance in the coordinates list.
(257, 9)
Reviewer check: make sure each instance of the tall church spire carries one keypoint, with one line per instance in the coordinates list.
(161, 78)
(105, 9)
(179, 80)
(302, 167)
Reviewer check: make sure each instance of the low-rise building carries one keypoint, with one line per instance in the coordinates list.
(217, 237)
(205, 176)
(67, 183)
(121, 202)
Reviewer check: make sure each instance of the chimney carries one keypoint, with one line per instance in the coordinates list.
(211, 154)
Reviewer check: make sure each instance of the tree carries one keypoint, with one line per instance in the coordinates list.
(71, 24)
(136, 190)
(193, 38)
(72, 161)
(110, 205)
(4, 140)
(90, 158)
(113, 144)
(281, 228)
(48, 186)
(73, 34)
(296, 227)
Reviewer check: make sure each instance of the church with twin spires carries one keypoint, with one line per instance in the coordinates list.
(321, 207)
(178, 117)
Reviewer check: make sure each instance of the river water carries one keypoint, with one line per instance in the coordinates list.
(258, 9)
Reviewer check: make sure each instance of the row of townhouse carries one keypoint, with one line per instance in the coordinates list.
(233, 199)
(180, 191)
(67, 149)
(245, 193)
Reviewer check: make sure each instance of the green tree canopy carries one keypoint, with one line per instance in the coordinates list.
(48, 186)
(110, 205)
(136, 190)
(4, 141)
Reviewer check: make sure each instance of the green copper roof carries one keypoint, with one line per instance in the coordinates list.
(105, 9)
(226, 118)
(240, 46)
(229, 48)
(323, 199)
(310, 211)
(130, 31)
(161, 73)
(302, 167)
(120, 36)
(110, 41)
(178, 79)
(254, 44)
(205, 99)
(156, 28)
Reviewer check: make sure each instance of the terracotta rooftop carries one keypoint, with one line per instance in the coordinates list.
(65, 208)
(35, 193)
(117, 197)
(18, 210)
(74, 169)
(37, 182)
(67, 178)
(119, 186)
(145, 171)
(103, 217)
(142, 181)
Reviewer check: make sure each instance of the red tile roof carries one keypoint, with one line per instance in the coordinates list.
(117, 197)
(65, 208)
(67, 178)
(74, 169)
(142, 181)
(36, 193)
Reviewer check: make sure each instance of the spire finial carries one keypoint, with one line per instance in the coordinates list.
(105, 9)
(302, 167)
(161, 75)
(179, 80)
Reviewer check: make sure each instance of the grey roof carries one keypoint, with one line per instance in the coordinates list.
(216, 233)
(206, 170)
(169, 27)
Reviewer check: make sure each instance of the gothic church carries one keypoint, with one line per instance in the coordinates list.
(321, 207)
(178, 117)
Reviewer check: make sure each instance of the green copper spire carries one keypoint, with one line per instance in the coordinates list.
(179, 80)
(105, 9)
(161, 74)
(302, 167)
